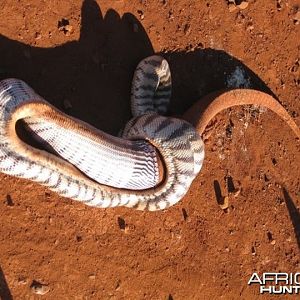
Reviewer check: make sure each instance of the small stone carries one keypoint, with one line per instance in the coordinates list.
(69, 27)
(289, 239)
(253, 251)
(39, 288)
(38, 36)
(250, 26)
(297, 18)
(65, 27)
(232, 7)
(118, 284)
(78, 238)
(170, 15)
(121, 223)
(129, 228)
(184, 214)
(225, 203)
(236, 192)
(141, 14)
(9, 201)
(22, 280)
(92, 276)
(270, 238)
(62, 23)
(243, 5)
(68, 30)
(187, 29)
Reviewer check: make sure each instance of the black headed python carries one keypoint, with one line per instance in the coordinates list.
(151, 167)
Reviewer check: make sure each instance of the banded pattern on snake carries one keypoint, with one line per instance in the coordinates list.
(151, 167)
(153, 146)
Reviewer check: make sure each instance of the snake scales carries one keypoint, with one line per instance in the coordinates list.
(150, 168)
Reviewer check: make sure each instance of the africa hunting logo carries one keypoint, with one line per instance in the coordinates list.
(277, 283)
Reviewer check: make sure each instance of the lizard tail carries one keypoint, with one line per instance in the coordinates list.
(200, 114)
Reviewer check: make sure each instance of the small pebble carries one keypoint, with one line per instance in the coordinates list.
(297, 18)
(39, 288)
(65, 27)
(141, 14)
(225, 203)
(236, 192)
(184, 213)
(38, 36)
(289, 239)
(129, 228)
(250, 26)
(22, 280)
(68, 30)
(118, 284)
(187, 29)
(9, 201)
(121, 223)
(232, 7)
(270, 238)
(78, 238)
(243, 5)
(170, 15)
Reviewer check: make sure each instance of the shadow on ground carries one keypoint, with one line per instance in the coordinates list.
(97, 69)
(4, 289)
(294, 214)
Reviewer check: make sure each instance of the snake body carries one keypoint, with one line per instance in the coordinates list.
(150, 168)
(149, 142)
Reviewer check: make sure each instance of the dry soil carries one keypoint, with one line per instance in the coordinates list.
(80, 56)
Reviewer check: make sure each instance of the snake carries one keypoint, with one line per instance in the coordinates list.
(151, 166)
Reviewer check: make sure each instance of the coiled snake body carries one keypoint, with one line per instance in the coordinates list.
(150, 168)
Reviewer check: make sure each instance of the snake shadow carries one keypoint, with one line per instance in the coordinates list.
(5, 293)
(93, 74)
(294, 214)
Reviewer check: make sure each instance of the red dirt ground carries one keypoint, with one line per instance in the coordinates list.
(80, 56)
